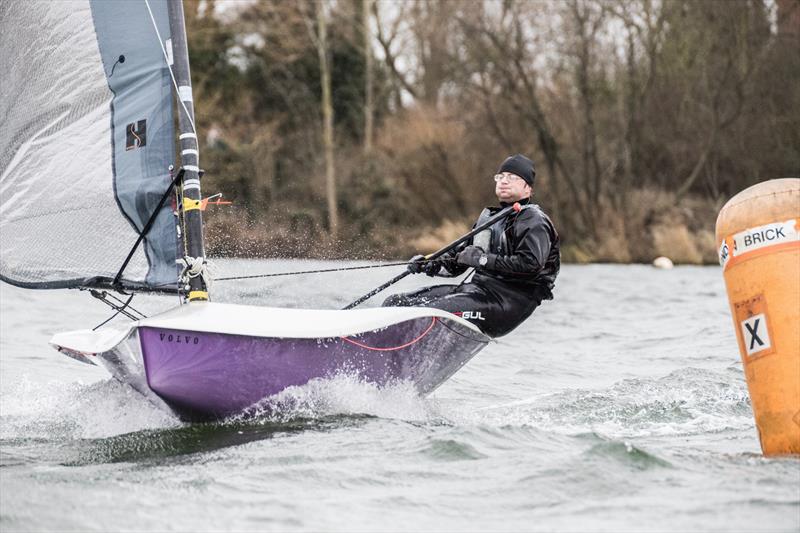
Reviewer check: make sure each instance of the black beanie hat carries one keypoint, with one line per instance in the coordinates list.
(521, 166)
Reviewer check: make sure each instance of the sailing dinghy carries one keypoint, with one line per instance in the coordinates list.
(90, 199)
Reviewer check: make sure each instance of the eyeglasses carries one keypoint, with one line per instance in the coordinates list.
(511, 178)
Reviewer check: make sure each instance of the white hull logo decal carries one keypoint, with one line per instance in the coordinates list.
(470, 315)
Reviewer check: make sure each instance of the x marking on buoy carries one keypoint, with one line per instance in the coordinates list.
(753, 331)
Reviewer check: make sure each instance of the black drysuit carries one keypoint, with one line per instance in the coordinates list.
(523, 260)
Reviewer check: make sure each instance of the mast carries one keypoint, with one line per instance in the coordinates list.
(190, 156)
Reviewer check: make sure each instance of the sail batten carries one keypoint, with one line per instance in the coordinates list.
(86, 144)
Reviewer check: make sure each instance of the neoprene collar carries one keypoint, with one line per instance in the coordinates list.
(524, 201)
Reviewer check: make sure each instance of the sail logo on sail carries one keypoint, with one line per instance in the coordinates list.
(136, 134)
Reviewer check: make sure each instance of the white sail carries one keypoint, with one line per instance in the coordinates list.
(86, 143)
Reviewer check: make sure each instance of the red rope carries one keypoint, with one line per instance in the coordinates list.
(392, 348)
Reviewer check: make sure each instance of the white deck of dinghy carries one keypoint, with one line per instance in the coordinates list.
(233, 319)
(236, 319)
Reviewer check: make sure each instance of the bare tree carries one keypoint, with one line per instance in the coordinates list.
(388, 38)
(321, 42)
(587, 18)
(499, 47)
(369, 96)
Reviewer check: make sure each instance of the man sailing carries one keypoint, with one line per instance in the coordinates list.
(516, 261)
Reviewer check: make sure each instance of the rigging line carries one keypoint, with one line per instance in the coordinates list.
(147, 226)
(118, 309)
(297, 273)
(169, 67)
(104, 296)
(126, 304)
(363, 267)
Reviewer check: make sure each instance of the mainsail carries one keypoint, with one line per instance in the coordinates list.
(86, 143)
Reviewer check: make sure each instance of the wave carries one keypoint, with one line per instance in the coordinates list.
(343, 394)
(60, 411)
(686, 402)
(107, 421)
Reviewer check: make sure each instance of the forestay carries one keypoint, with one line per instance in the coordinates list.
(86, 143)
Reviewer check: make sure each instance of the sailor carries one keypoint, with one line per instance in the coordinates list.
(516, 261)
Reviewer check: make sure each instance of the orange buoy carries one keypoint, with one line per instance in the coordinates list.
(758, 236)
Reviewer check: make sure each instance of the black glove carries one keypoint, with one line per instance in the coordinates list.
(416, 264)
(471, 256)
(419, 264)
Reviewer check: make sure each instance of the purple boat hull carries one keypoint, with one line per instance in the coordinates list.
(202, 375)
(212, 360)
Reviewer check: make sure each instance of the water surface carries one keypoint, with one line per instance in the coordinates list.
(619, 406)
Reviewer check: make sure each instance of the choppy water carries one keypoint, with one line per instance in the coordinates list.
(619, 406)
